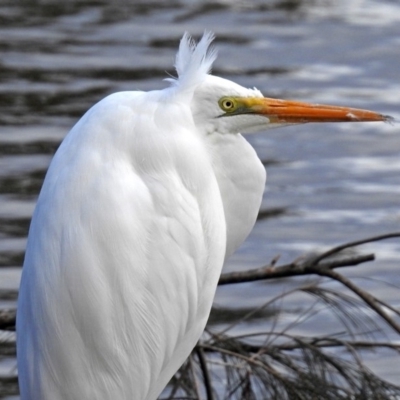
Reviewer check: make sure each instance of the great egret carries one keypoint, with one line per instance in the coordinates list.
(144, 199)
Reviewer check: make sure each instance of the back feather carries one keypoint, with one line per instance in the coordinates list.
(193, 63)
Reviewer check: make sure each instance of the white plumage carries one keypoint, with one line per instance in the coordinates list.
(144, 199)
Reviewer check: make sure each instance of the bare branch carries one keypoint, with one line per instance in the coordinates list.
(293, 269)
(304, 265)
(344, 246)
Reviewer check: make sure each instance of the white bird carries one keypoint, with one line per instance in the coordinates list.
(145, 198)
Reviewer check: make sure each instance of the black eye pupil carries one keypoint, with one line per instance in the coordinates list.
(228, 104)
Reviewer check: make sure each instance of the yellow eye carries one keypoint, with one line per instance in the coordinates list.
(227, 104)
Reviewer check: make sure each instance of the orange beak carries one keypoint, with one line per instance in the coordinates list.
(295, 112)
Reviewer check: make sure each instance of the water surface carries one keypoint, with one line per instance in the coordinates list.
(331, 183)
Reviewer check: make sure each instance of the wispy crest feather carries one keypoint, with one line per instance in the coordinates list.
(193, 62)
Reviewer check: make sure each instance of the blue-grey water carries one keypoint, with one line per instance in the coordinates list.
(330, 183)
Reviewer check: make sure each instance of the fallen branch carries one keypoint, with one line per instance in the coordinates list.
(295, 268)
(316, 265)
(306, 265)
(344, 246)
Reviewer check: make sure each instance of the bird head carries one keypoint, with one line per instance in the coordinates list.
(221, 105)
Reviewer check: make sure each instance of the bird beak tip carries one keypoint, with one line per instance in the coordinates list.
(390, 120)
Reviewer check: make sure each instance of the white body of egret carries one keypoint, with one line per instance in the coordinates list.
(144, 199)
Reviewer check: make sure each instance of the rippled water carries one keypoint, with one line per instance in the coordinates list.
(328, 184)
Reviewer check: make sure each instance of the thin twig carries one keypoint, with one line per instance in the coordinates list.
(298, 342)
(194, 377)
(366, 297)
(206, 374)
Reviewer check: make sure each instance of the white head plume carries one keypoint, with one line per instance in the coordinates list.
(193, 62)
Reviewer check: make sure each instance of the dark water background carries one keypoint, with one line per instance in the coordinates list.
(326, 183)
